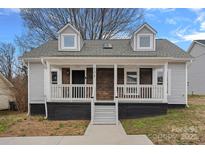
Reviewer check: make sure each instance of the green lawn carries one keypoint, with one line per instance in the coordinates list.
(179, 126)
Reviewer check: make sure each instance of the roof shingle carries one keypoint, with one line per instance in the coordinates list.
(121, 48)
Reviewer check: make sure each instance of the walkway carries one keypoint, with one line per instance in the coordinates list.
(95, 134)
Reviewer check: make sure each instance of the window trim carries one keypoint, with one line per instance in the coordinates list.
(151, 42)
(125, 79)
(131, 70)
(169, 79)
(62, 41)
(58, 75)
(52, 82)
(160, 70)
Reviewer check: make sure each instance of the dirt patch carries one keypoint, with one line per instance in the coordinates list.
(37, 126)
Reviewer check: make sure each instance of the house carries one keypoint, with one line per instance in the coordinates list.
(106, 80)
(6, 93)
(196, 73)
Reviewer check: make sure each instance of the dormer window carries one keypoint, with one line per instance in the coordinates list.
(69, 41)
(144, 38)
(145, 41)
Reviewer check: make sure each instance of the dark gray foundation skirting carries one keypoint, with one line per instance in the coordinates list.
(131, 110)
(69, 111)
(176, 106)
(37, 109)
(82, 111)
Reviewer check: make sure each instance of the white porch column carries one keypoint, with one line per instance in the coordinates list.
(165, 81)
(115, 81)
(115, 92)
(94, 82)
(94, 94)
(29, 109)
(48, 81)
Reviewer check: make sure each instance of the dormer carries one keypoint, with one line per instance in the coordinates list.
(144, 38)
(69, 39)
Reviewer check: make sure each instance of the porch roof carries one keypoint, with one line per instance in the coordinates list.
(121, 48)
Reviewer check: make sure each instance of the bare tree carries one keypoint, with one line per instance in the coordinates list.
(7, 59)
(99, 23)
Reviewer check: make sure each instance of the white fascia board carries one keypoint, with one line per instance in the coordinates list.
(141, 58)
(146, 25)
(168, 59)
(68, 25)
(192, 44)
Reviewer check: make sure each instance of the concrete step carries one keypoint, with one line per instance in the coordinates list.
(104, 114)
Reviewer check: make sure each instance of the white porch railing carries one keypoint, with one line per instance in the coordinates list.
(143, 92)
(71, 92)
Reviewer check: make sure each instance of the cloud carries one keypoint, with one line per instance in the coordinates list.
(162, 10)
(202, 26)
(194, 36)
(171, 21)
(9, 11)
(189, 34)
(200, 17)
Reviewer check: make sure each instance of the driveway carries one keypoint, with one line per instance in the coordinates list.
(95, 134)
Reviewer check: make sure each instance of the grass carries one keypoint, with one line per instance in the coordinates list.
(178, 126)
(19, 124)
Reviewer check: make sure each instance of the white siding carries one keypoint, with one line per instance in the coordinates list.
(6, 95)
(196, 71)
(178, 83)
(36, 83)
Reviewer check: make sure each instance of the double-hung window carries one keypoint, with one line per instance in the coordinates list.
(131, 80)
(54, 77)
(145, 42)
(69, 41)
(131, 77)
(160, 79)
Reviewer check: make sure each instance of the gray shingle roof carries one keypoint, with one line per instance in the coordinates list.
(201, 41)
(121, 48)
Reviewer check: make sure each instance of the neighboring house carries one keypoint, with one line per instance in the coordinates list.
(6, 93)
(196, 72)
(106, 80)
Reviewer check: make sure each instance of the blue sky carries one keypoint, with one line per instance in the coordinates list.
(178, 25)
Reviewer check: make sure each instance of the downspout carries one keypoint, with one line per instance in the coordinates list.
(187, 105)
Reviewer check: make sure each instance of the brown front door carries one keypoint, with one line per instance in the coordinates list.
(145, 75)
(78, 77)
(105, 84)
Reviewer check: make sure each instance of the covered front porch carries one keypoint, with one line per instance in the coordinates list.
(107, 83)
(98, 88)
